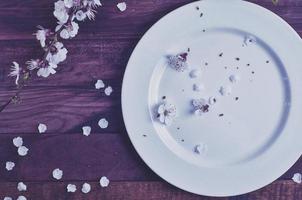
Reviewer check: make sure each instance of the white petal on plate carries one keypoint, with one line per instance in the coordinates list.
(198, 112)
(86, 130)
(9, 165)
(201, 148)
(212, 100)
(122, 6)
(18, 141)
(86, 188)
(57, 174)
(71, 188)
(197, 87)
(21, 198)
(99, 84)
(108, 90)
(225, 90)
(162, 118)
(168, 120)
(42, 128)
(103, 123)
(297, 178)
(22, 151)
(195, 73)
(104, 181)
(235, 78)
(21, 187)
(161, 109)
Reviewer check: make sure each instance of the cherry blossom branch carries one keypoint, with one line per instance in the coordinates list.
(67, 12)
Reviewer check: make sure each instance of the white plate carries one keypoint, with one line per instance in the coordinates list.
(259, 136)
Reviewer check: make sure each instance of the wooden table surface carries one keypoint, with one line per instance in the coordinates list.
(68, 100)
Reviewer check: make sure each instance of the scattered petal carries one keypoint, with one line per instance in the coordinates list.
(21, 187)
(195, 73)
(99, 84)
(86, 188)
(234, 78)
(212, 100)
(18, 141)
(201, 148)
(21, 198)
(104, 181)
(8, 198)
(297, 178)
(57, 174)
(22, 151)
(9, 165)
(42, 128)
(108, 90)
(86, 130)
(122, 6)
(225, 91)
(103, 123)
(71, 188)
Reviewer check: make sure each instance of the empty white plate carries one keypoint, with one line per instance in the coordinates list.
(250, 136)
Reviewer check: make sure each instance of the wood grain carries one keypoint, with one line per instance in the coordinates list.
(142, 191)
(68, 100)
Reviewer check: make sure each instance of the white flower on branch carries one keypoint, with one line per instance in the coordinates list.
(46, 71)
(15, 72)
(80, 15)
(92, 3)
(90, 13)
(61, 11)
(69, 31)
(68, 3)
(32, 64)
(58, 55)
(42, 34)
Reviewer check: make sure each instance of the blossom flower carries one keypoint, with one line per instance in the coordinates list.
(42, 128)
(22, 151)
(92, 3)
(104, 181)
(297, 178)
(21, 187)
(33, 64)
(200, 106)
(122, 6)
(86, 130)
(46, 71)
(69, 31)
(59, 55)
(80, 15)
(18, 141)
(9, 165)
(86, 188)
(8, 198)
(68, 3)
(21, 198)
(41, 35)
(166, 113)
(108, 90)
(15, 72)
(57, 174)
(103, 123)
(99, 84)
(61, 12)
(71, 188)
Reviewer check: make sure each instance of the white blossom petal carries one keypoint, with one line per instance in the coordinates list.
(21, 198)
(9, 165)
(80, 15)
(57, 174)
(68, 3)
(103, 123)
(104, 181)
(22, 151)
(71, 188)
(21, 187)
(86, 188)
(108, 90)
(8, 198)
(297, 178)
(86, 130)
(99, 84)
(42, 128)
(61, 12)
(122, 6)
(18, 141)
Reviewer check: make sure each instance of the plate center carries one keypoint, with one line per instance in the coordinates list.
(241, 124)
